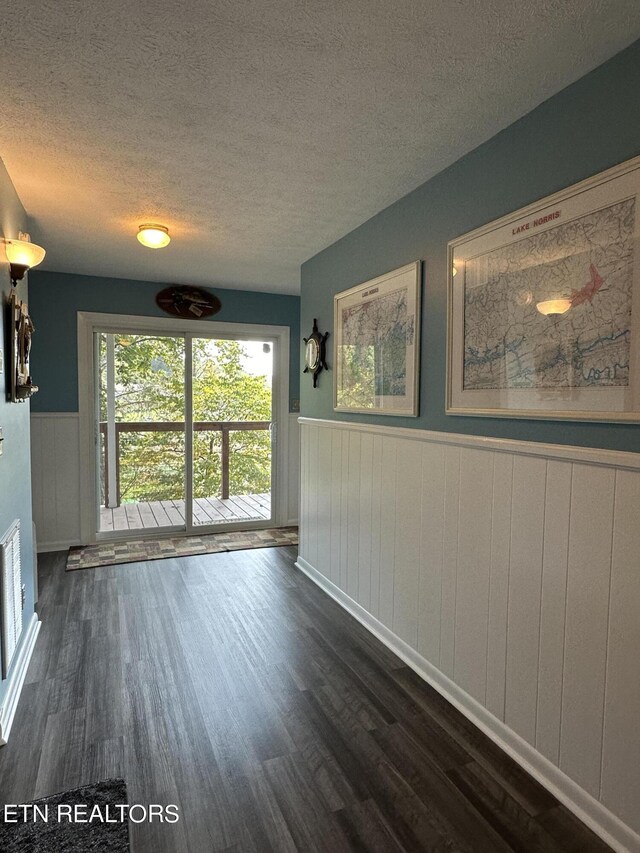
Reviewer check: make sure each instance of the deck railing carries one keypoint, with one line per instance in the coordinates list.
(224, 427)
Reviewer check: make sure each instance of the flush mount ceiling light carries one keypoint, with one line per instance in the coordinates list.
(554, 307)
(153, 236)
(22, 255)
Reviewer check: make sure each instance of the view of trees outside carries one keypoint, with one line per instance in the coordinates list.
(149, 387)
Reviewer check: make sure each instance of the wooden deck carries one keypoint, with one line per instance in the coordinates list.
(154, 514)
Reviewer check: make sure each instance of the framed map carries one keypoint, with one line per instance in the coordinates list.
(544, 307)
(377, 344)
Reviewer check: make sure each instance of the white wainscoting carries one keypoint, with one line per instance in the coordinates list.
(55, 477)
(508, 574)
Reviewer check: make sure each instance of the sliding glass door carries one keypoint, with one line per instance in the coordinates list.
(184, 432)
(141, 425)
(231, 418)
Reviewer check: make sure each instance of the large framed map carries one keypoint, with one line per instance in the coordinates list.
(544, 307)
(377, 344)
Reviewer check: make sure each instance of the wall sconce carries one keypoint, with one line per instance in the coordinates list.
(554, 307)
(153, 236)
(22, 255)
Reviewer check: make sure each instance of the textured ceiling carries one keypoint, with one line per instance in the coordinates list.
(260, 131)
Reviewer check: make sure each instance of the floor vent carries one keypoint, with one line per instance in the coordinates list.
(11, 594)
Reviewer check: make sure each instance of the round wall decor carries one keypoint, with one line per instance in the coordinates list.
(315, 353)
(182, 300)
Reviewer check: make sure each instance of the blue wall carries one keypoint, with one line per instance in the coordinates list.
(588, 127)
(15, 462)
(56, 298)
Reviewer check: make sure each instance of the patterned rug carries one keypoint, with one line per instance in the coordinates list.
(138, 550)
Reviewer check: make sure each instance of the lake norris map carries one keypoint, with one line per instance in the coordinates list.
(376, 334)
(588, 261)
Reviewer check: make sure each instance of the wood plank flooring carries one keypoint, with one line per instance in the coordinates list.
(153, 514)
(230, 685)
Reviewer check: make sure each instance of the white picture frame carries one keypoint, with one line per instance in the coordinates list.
(377, 344)
(572, 255)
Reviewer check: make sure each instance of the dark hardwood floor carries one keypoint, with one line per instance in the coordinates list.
(230, 685)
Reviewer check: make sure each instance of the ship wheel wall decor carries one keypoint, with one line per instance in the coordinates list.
(315, 353)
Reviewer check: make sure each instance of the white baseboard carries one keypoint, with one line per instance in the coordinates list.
(591, 812)
(16, 679)
(45, 547)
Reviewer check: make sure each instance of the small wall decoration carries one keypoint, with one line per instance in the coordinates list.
(21, 386)
(188, 302)
(315, 353)
(377, 344)
(544, 308)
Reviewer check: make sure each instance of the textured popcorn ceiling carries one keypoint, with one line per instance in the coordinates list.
(262, 131)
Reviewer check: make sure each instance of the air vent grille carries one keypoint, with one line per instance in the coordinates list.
(11, 594)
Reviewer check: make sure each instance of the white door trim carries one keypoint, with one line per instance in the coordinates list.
(90, 322)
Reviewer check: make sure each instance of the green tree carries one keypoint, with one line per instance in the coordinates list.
(149, 387)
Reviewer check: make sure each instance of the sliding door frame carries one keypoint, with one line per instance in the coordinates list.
(88, 324)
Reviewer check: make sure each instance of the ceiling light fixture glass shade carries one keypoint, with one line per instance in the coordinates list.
(554, 307)
(153, 236)
(22, 255)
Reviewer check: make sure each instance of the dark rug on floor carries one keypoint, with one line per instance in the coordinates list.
(139, 550)
(34, 835)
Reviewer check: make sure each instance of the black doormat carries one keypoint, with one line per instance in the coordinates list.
(58, 834)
